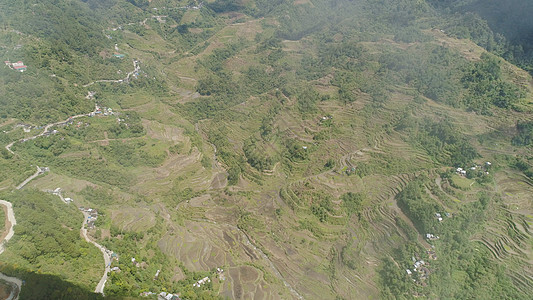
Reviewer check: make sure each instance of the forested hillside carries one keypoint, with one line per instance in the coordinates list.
(240, 149)
(503, 27)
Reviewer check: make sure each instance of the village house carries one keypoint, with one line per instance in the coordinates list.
(220, 273)
(431, 237)
(17, 66)
(201, 282)
(165, 296)
(135, 262)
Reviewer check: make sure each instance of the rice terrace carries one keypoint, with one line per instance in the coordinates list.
(254, 149)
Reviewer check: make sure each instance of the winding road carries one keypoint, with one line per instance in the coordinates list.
(11, 216)
(11, 221)
(45, 131)
(136, 68)
(37, 173)
(107, 255)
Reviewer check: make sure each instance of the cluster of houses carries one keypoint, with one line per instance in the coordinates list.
(106, 111)
(171, 296)
(17, 66)
(93, 216)
(419, 266)
(161, 296)
(201, 282)
(137, 74)
(484, 169)
(146, 294)
(137, 264)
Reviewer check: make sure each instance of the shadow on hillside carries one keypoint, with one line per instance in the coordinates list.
(47, 286)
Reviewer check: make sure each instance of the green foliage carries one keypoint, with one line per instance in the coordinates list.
(259, 80)
(96, 171)
(256, 155)
(523, 165)
(416, 204)
(84, 30)
(442, 140)
(133, 154)
(177, 148)
(248, 223)
(353, 202)
(498, 29)
(225, 152)
(311, 226)
(524, 137)
(428, 68)
(485, 86)
(222, 6)
(47, 239)
(97, 196)
(322, 207)
(15, 169)
(179, 194)
(2, 220)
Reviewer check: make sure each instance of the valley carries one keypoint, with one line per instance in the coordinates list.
(283, 150)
